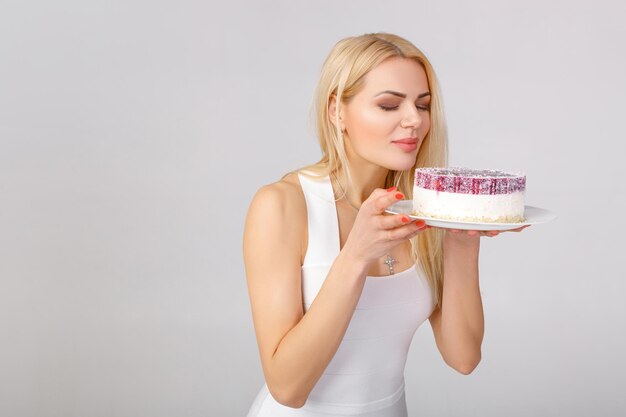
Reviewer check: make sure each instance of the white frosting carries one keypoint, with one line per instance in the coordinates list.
(469, 207)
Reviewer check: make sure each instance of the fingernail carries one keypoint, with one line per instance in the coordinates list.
(390, 189)
(399, 196)
(405, 219)
(420, 223)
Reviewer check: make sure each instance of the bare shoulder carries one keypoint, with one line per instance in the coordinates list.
(282, 200)
(278, 209)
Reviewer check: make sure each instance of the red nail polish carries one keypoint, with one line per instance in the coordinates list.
(405, 219)
(390, 189)
(399, 196)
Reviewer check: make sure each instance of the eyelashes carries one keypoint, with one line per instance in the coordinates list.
(391, 108)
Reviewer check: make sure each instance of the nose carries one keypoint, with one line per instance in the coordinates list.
(411, 117)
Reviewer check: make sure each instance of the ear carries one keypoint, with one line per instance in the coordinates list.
(332, 112)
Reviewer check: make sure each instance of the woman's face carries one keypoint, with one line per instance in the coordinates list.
(387, 120)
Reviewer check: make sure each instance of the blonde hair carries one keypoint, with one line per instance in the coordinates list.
(342, 76)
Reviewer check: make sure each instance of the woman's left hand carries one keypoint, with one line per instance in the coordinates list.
(488, 233)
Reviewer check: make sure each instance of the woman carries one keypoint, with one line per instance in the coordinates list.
(338, 287)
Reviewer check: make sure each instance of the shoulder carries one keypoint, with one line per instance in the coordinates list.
(284, 196)
(278, 211)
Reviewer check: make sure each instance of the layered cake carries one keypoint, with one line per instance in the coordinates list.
(469, 195)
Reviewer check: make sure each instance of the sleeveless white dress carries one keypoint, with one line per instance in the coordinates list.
(365, 378)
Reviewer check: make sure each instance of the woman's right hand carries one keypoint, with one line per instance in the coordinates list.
(375, 233)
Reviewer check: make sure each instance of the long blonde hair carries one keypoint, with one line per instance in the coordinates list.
(342, 76)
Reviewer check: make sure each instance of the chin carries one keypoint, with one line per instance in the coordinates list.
(399, 168)
(400, 165)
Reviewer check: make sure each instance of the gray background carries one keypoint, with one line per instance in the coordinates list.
(134, 134)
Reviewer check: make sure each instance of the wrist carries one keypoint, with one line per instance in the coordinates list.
(352, 262)
(460, 240)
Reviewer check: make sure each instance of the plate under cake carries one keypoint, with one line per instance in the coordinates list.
(470, 195)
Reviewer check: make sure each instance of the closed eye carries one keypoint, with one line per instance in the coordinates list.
(390, 108)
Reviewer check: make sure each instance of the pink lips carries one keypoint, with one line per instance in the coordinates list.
(407, 144)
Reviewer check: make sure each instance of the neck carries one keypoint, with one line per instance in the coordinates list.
(365, 179)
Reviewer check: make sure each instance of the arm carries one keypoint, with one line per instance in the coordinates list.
(458, 325)
(294, 348)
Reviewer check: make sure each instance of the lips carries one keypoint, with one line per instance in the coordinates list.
(407, 144)
(410, 141)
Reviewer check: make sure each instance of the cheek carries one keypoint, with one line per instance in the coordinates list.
(425, 127)
(371, 124)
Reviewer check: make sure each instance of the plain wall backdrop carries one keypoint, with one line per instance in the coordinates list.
(133, 135)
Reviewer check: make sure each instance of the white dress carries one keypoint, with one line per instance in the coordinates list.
(365, 378)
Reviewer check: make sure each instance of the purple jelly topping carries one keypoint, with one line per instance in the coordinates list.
(469, 181)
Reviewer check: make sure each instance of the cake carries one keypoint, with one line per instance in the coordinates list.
(469, 195)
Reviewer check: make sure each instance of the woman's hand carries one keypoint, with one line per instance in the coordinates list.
(469, 234)
(375, 233)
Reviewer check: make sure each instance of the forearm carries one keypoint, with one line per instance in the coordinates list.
(305, 351)
(462, 320)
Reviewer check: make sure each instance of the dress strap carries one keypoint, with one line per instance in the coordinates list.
(323, 226)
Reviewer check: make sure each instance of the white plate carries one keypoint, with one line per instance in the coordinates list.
(533, 215)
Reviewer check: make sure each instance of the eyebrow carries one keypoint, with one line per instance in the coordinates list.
(402, 95)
